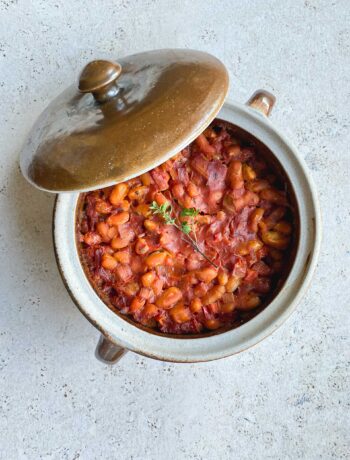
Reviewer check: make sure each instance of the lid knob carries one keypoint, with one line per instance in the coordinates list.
(98, 77)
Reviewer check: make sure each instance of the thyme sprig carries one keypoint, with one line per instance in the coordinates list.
(165, 210)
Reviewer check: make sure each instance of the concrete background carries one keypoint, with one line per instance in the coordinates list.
(287, 398)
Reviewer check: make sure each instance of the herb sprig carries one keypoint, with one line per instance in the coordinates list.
(165, 210)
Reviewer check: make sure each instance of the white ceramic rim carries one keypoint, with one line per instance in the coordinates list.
(128, 336)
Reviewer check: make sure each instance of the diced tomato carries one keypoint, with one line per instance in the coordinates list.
(216, 175)
(170, 238)
(183, 176)
(200, 164)
(123, 272)
(203, 145)
(261, 268)
(262, 285)
(137, 264)
(240, 268)
(126, 231)
(251, 275)
(161, 178)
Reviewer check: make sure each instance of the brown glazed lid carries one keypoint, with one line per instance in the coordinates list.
(124, 119)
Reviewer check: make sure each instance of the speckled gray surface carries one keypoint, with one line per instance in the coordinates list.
(287, 398)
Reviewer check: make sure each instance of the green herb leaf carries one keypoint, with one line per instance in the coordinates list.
(166, 209)
(154, 207)
(169, 220)
(186, 228)
(191, 212)
(162, 209)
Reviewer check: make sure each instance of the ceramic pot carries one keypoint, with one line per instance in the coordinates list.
(120, 335)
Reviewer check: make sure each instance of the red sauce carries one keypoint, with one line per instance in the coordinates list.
(144, 268)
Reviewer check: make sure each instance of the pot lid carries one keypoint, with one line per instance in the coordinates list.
(123, 119)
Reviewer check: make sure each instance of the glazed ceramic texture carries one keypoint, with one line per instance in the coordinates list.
(142, 111)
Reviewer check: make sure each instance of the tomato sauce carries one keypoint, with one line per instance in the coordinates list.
(238, 214)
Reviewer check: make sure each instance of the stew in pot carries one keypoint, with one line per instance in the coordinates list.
(196, 244)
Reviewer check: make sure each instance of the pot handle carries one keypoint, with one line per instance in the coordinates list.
(262, 101)
(107, 352)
